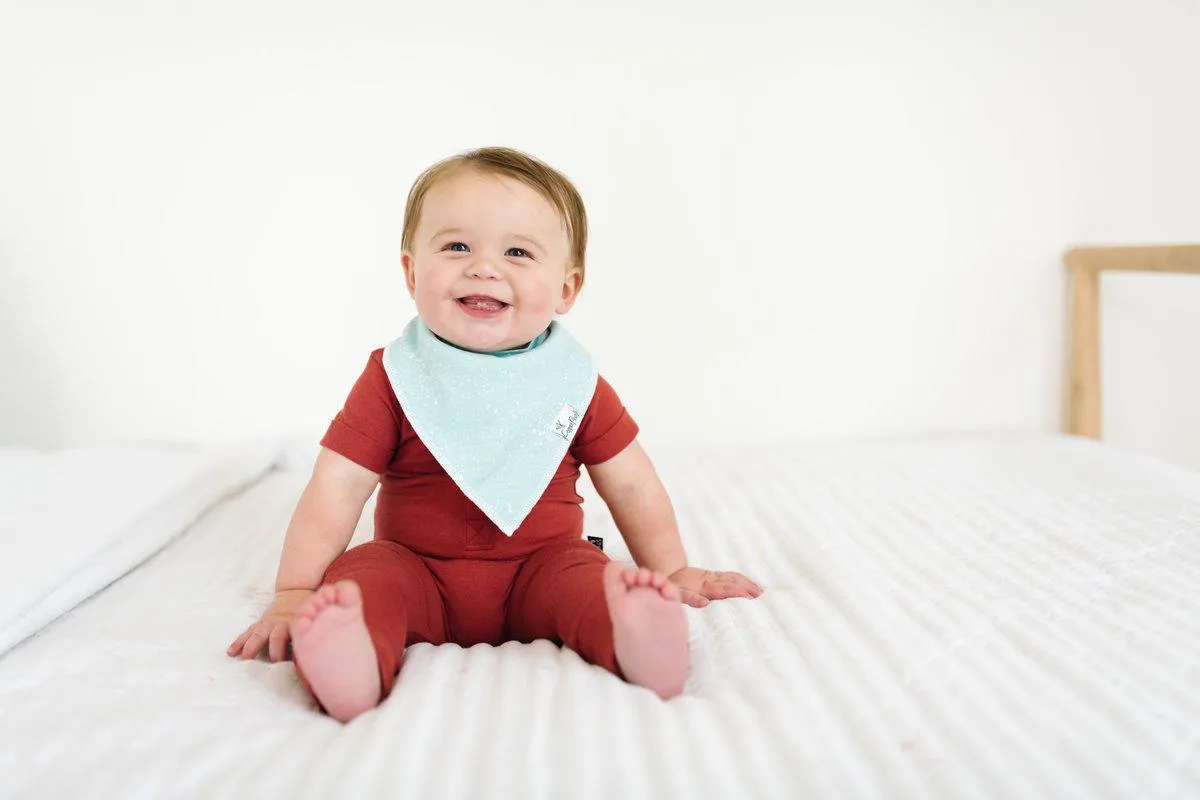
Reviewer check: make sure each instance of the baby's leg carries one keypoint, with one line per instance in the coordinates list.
(629, 622)
(348, 638)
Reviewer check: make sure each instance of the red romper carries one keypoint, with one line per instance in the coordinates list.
(440, 571)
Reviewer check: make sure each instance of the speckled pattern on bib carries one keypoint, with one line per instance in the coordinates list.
(498, 426)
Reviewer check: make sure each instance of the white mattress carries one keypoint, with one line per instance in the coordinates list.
(1008, 616)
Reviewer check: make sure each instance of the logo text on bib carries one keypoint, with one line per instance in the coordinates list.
(564, 425)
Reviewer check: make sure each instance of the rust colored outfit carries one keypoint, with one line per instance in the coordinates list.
(440, 571)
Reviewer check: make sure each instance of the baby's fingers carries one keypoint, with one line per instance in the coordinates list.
(739, 583)
(254, 642)
(277, 645)
(236, 647)
(720, 589)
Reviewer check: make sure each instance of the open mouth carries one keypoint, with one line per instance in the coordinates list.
(478, 305)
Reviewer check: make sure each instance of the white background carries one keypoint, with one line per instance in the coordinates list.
(810, 220)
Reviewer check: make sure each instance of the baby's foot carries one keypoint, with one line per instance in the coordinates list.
(649, 628)
(331, 644)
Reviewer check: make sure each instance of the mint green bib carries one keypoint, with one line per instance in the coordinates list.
(500, 427)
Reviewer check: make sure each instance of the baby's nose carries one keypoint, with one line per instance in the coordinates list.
(483, 265)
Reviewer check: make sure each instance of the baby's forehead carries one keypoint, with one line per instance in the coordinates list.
(450, 200)
(474, 181)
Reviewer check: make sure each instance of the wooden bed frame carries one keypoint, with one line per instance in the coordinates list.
(1085, 265)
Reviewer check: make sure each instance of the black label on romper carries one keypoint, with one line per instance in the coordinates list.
(596, 540)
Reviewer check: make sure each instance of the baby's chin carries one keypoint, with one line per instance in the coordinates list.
(477, 336)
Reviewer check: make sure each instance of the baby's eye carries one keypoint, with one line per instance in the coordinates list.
(520, 253)
(453, 245)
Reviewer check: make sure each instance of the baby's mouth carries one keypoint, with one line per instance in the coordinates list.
(482, 302)
(482, 307)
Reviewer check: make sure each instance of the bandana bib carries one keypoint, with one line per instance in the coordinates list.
(499, 426)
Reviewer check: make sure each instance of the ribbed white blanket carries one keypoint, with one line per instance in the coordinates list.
(988, 616)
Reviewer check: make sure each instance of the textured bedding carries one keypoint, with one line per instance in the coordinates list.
(987, 616)
(73, 521)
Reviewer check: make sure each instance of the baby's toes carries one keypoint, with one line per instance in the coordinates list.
(644, 576)
(311, 604)
(347, 593)
(307, 610)
(311, 607)
(300, 623)
(322, 598)
(670, 591)
(614, 581)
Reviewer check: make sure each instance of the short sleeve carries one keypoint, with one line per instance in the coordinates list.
(607, 428)
(367, 429)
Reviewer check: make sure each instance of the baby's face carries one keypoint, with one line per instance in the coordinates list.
(489, 235)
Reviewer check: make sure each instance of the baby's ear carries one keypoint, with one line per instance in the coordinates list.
(410, 271)
(570, 290)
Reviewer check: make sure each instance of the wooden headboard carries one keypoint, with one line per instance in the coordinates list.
(1085, 265)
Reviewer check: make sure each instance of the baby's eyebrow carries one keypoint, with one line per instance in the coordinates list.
(519, 236)
(531, 240)
(444, 231)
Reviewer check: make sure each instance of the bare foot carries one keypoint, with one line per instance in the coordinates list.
(331, 644)
(649, 628)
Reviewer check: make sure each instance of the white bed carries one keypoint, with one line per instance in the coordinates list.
(976, 616)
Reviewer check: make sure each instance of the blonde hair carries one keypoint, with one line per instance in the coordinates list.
(542, 178)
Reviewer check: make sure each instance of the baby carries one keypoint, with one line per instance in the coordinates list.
(471, 425)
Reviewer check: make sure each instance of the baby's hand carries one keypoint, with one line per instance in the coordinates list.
(698, 586)
(272, 629)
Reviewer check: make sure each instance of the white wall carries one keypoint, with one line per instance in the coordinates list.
(809, 220)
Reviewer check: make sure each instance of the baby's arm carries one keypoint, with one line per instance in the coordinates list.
(321, 527)
(324, 520)
(641, 508)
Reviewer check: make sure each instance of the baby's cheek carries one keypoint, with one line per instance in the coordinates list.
(428, 292)
(540, 303)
